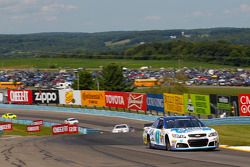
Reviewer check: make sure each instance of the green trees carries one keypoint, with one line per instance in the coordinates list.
(85, 81)
(112, 79)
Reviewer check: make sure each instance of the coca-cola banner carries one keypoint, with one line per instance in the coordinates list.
(116, 99)
(20, 96)
(244, 100)
(137, 101)
(45, 96)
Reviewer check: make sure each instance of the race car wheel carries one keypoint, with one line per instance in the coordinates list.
(167, 143)
(149, 143)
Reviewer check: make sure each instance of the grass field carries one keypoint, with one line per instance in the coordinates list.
(234, 135)
(20, 130)
(96, 63)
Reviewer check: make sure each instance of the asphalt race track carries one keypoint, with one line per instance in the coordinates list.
(102, 149)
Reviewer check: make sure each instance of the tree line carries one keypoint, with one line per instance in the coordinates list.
(220, 52)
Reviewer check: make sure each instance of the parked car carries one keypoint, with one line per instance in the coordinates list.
(71, 121)
(9, 116)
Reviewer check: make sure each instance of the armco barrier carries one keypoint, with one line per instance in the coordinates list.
(214, 121)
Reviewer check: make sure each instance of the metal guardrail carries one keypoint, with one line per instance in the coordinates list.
(213, 121)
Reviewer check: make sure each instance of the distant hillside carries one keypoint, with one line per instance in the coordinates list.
(105, 43)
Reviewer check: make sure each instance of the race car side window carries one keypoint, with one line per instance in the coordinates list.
(155, 124)
(160, 124)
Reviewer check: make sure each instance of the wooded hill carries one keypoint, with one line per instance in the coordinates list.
(214, 44)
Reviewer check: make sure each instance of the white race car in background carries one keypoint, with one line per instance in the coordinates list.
(180, 133)
(71, 121)
(122, 128)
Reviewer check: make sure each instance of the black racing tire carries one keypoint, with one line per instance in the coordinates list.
(149, 145)
(167, 143)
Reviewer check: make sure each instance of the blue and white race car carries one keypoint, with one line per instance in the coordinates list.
(180, 133)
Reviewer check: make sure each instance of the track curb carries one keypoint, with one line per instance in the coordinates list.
(238, 148)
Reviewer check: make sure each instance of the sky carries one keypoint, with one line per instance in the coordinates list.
(33, 16)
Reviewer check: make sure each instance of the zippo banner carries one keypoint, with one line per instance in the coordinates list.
(197, 104)
(173, 103)
(38, 122)
(93, 98)
(244, 100)
(45, 96)
(6, 125)
(60, 129)
(116, 99)
(20, 96)
(137, 101)
(155, 102)
(71, 97)
(33, 128)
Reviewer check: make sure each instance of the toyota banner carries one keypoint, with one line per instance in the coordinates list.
(116, 99)
(45, 96)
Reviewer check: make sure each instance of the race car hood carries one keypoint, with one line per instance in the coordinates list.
(192, 130)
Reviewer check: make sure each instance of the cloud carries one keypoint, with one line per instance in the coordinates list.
(152, 18)
(245, 8)
(202, 14)
(21, 10)
(57, 7)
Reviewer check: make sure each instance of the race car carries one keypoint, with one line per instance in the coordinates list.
(71, 121)
(122, 128)
(180, 133)
(9, 116)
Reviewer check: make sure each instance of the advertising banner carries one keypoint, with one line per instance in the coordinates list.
(155, 102)
(6, 126)
(33, 128)
(93, 98)
(38, 122)
(224, 103)
(60, 129)
(45, 96)
(72, 129)
(1, 97)
(137, 101)
(173, 103)
(116, 99)
(70, 97)
(244, 100)
(20, 96)
(197, 104)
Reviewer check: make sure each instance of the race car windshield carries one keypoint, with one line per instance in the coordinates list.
(184, 123)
